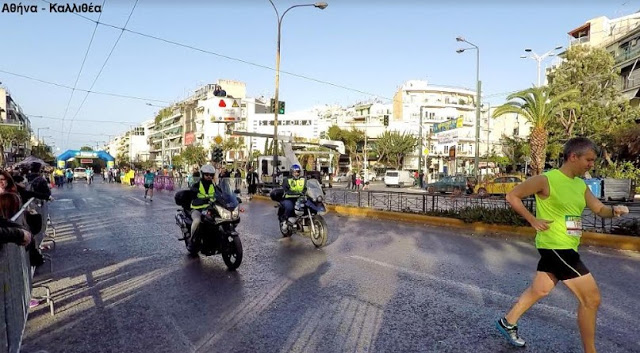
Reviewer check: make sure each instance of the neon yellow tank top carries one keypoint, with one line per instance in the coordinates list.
(564, 207)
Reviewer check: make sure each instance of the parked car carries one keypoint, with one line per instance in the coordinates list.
(341, 178)
(79, 173)
(452, 184)
(498, 186)
(398, 178)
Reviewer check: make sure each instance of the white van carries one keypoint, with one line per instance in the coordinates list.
(398, 178)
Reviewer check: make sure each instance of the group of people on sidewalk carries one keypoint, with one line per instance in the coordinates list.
(16, 188)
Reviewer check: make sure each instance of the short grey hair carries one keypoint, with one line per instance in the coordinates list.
(578, 146)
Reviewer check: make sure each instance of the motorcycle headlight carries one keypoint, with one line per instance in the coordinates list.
(235, 213)
(224, 213)
(320, 198)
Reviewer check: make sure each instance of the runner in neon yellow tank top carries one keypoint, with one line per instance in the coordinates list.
(561, 197)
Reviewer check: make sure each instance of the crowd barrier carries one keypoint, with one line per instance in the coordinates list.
(16, 281)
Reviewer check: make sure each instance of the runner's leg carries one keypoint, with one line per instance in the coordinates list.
(541, 286)
(588, 294)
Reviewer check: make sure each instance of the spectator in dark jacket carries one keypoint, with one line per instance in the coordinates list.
(38, 183)
(25, 195)
(11, 232)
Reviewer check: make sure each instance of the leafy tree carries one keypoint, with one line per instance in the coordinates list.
(193, 155)
(515, 149)
(86, 148)
(177, 161)
(353, 139)
(539, 108)
(122, 160)
(11, 135)
(43, 152)
(600, 108)
(163, 113)
(627, 143)
(393, 146)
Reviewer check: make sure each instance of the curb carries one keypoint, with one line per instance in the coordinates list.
(614, 241)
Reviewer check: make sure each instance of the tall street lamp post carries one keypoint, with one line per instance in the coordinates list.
(539, 58)
(478, 90)
(321, 6)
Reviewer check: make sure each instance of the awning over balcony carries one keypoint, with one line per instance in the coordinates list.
(631, 94)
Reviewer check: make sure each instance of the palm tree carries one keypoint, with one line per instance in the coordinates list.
(539, 108)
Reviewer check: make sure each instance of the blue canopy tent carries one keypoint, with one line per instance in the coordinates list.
(65, 156)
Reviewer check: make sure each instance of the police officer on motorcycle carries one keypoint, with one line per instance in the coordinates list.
(205, 190)
(294, 187)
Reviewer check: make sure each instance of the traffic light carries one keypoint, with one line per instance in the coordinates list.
(272, 106)
(216, 155)
(386, 120)
(280, 107)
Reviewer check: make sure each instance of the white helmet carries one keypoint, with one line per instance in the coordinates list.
(208, 169)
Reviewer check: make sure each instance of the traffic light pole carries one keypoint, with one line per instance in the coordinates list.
(421, 145)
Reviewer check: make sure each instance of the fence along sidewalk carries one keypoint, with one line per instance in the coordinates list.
(16, 276)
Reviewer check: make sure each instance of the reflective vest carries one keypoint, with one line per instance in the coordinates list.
(295, 186)
(203, 198)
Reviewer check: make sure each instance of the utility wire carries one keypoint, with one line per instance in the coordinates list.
(84, 90)
(89, 121)
(95, 28)
(103, 66)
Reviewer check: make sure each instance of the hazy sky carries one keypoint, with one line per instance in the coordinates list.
(371, 46)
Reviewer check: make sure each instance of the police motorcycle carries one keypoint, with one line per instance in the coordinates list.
(217, 230)
(309, 210)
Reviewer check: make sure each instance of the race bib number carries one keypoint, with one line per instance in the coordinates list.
(574, 225)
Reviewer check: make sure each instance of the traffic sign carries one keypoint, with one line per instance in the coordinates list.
(426, 151)
(217, 139)
(235, 104)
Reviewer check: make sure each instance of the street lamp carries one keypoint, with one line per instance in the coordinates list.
(38, 132)
(478, 90)
(539, 58)
(319, 5)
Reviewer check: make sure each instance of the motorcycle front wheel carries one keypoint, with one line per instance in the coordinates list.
(232, 255)
(320, 236)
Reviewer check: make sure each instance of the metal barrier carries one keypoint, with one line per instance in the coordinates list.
(426, 203)
(16, 283)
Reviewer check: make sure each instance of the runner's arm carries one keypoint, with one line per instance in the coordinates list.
(530, 187)
(597, 207)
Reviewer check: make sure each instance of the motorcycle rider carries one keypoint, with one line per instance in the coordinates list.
(205, 191)
(294, 187)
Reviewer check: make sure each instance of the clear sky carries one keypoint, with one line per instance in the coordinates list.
(368, 45)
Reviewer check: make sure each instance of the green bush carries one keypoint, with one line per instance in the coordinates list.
(483, 214)
(629, 227)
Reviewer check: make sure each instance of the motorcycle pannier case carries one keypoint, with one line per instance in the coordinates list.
(277, 194)
(183, 198)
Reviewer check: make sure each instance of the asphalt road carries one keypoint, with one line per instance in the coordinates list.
(123, 283)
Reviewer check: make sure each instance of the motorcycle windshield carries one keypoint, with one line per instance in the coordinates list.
(314, 189)
(225, 195)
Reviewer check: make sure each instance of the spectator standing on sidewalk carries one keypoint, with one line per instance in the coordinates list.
(11, 232)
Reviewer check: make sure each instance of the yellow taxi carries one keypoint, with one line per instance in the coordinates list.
(498, 186)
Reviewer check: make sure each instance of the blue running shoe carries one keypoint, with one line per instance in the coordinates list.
(510, 332)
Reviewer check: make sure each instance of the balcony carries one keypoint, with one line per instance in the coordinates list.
(581, 40)
(625, 55)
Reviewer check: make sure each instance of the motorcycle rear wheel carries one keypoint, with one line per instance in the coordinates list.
(320, 236)
(232, 255)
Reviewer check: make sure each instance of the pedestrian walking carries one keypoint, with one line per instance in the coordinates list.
(252, 182)
(561, 196)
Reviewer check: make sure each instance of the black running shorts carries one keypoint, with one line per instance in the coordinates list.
(563, 264)
(148, 186)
